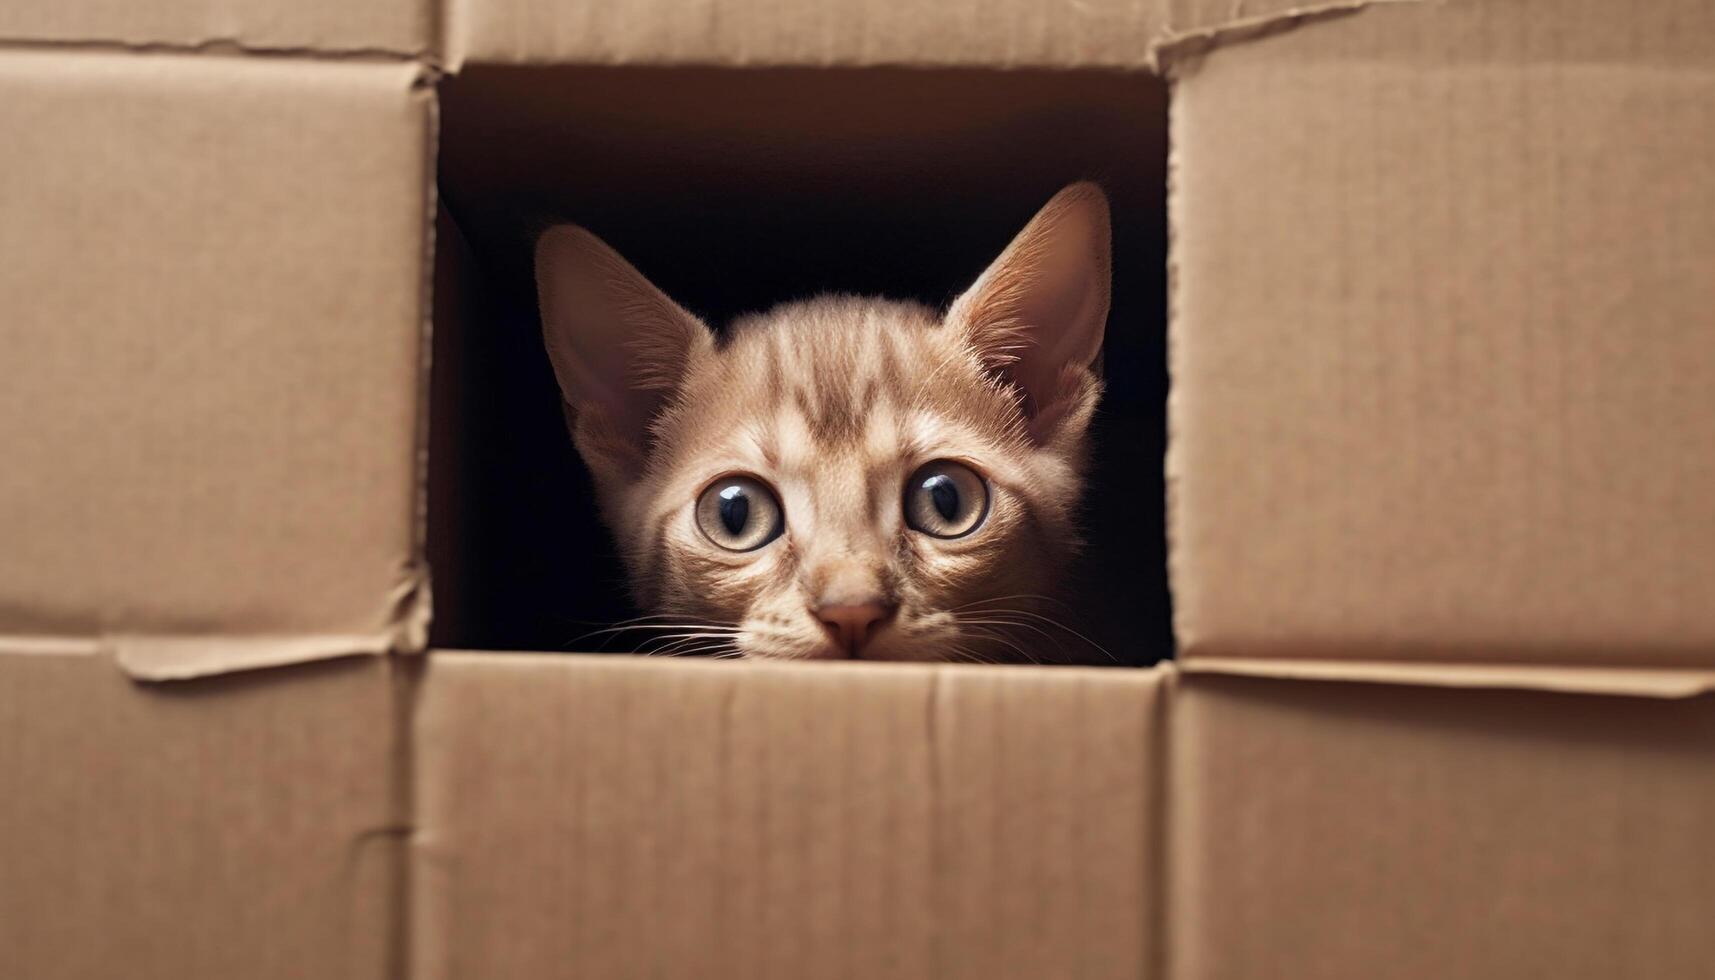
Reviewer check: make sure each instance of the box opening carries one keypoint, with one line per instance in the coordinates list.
(734, 190)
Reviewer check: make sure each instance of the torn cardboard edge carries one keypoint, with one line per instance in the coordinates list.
(448, 43)
(1179, 46)
(178, 656)
(1180, 30)
(219, 46)
(427, 78)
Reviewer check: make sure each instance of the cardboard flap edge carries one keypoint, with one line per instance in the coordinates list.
(1202, 30)
(180, 656)
(1646, 682)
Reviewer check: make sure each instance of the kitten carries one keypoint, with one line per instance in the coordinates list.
(842, 476)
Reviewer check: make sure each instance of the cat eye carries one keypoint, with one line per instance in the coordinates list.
(945, 499)
(739, 513)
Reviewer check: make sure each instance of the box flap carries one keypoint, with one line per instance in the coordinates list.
(211, 271)
(236, 827)
(614, 817)
(1355, 831)
(403, 27)
(999, 33)
(1634, 682)
(985, 33)
(1444, 383)
(1193, 27)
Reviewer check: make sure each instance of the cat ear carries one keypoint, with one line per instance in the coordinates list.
(619, 346)
(1037, 313)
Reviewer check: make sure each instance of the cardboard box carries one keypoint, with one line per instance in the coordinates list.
(623, 817)
(1461, 410)
(213, 282)
(253, 825)
(1353, 830)
(1441, 419)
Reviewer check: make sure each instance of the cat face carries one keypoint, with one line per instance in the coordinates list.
(842, 477)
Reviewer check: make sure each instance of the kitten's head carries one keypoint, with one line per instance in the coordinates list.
(844, 476)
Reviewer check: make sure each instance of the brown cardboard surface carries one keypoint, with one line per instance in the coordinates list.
(1355, 830)
(762, 32)
(230, 827)
(987, 33)
(616, 817)
(211, 272)
(1444, 372)
(1659, 682)
(400, 26)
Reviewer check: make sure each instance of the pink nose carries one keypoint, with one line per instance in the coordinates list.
(851, 626)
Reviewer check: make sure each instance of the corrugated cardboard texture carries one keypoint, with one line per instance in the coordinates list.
(232, 827)
(211, 272)
(401, 26)
(1356, 831)
(611, 817)
(1444, 367)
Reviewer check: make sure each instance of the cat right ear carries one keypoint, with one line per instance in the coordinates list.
(1036, 315)
(620, 348)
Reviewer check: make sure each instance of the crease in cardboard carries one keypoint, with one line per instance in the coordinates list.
(412, 605)
(1170, 490)
(176, 657)
(221, 46)
(1177, 46)
(451, 32)
(424, 87)
(1158, 848)
(179, 658)
(51, 646)
(396, 838)
(936, 714)
(397, 857)
(1664, 683)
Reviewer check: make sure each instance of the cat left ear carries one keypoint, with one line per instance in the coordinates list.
(1036, 315)
(619, 347)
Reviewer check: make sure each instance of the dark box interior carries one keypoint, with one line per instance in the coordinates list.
(733, 190)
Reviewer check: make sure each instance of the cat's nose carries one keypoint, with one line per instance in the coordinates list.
(851, 625)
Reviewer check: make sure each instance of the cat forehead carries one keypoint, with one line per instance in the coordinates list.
(835, 364)
(831, 340)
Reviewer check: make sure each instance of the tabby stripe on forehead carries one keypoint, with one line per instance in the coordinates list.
(836, 422)
(768, 443)
(776, 374)
(890, 372)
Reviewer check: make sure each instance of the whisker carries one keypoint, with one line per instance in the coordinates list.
(996, 637)
(1007, 622)
(677, 642)
(1006, 598)
(638, 627)
(612, 633)
(1050, 621)
(1059, 625)
(712, 650)
(961, 654)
